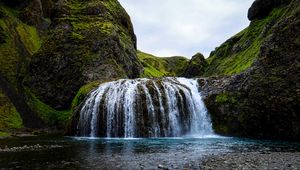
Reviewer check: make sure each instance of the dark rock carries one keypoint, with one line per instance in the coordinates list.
(261, 8)
(196, 66)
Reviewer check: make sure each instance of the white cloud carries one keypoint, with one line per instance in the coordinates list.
(176, 27)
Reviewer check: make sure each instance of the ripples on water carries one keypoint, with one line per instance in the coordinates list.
(133, 153)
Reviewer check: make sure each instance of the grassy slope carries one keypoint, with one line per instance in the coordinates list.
(162, 66)
(238, 53)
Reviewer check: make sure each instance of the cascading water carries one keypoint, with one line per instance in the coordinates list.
(168, 107)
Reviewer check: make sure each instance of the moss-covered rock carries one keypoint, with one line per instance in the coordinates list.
(19, 42)
(88, 41)
(196, 66)
(263, 102)
(162, 66)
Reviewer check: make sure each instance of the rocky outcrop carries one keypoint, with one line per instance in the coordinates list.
(240, 52)
(261, 8)
(196, 66)
(263, 101)
(50, 48)
(88, 41)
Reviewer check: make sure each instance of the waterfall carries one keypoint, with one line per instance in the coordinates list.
(167, 107)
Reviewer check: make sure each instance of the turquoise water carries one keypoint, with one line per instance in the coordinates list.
(97, 153)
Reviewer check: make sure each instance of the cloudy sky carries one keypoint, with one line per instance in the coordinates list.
(184, 27)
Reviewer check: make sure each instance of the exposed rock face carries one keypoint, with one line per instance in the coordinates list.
(88, 41)
(263, 102)
(261, 8)
(196, 66)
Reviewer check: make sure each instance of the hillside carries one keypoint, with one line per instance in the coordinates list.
(162, 66)
(262, 101)
(240, 52)
(49, 49)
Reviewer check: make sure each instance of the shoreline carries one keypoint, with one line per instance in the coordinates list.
(253, 160)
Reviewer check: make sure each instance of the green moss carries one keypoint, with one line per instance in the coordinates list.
(83, 91)
(29, 37)
(77, 36)
(49, 115)
(17, 34)
(4, 134)
(9, 117)
(239, 53)
(103, 27)
(225, 98)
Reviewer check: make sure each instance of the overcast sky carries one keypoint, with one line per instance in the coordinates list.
(184, 27)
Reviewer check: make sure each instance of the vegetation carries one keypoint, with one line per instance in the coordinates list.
(4, 134)
(18, 42)
(239, 52)
(162, 66)
(225, 98)
(49, 115)
(9, 117)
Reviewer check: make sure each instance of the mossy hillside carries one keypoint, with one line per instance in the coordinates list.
(18, 42)
(89, 41)
(239, 52)
(162, 66)
(263, 102)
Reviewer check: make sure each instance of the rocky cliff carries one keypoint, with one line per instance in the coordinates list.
(50, 48)
(263, 100)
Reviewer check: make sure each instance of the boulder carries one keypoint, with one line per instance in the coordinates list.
(196, 66)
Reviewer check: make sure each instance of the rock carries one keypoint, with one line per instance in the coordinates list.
(162, 167)
(261, 8)
(263, 101)
(77, 52)
(196, 66)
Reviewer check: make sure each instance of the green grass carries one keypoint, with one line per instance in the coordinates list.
(162, 66)
(226, 61)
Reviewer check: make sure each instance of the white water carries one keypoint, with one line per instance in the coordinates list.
(168, 107)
